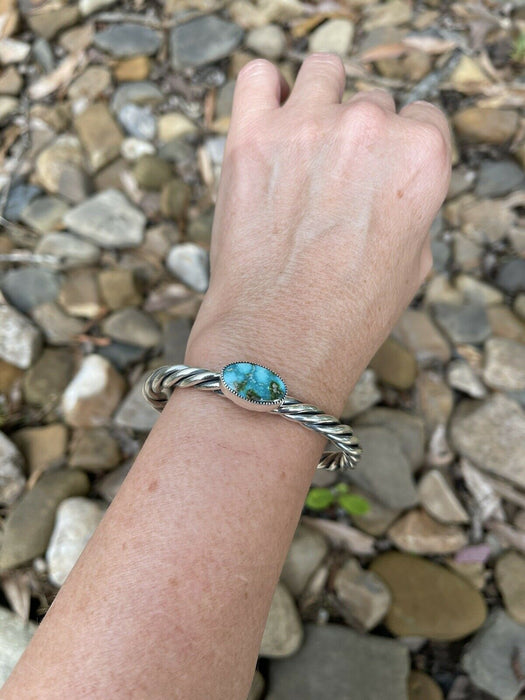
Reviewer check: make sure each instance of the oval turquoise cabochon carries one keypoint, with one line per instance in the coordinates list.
(254, 382)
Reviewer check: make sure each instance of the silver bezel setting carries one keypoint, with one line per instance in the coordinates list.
(252, 404)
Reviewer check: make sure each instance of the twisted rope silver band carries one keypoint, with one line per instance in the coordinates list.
(159, 386)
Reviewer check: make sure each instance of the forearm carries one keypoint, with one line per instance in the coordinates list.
(183, 567)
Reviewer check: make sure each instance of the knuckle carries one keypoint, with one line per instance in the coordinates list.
(256, 68)
(434, 144)
(328, 61)
(367, 119)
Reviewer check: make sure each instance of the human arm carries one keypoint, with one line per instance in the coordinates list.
(320, 241)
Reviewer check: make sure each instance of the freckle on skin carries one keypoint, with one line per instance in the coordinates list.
(154, 485)
(400, 194)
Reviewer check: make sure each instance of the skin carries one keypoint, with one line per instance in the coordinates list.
(320, 241)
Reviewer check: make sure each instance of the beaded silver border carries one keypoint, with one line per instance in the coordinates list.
(161, 383)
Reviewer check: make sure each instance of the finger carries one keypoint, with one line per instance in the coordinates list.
(381, 98)
(426, 113)
(320, 81)
(259, 87)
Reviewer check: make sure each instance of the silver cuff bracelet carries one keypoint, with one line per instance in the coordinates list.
(257, 388)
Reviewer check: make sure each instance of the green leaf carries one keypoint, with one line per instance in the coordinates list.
(353, 504)
(319, 499)
(341, 488)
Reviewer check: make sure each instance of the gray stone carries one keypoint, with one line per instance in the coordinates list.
(384, 470)
(283, 633)
(305, 555)
(122, 356)
(109, 485)
(141, 93)
(364, 596)
(492, 435)
(27, 287)
(58, 327)
(498, 178)
(109, 220)
(15, 635)
(20, 340)
(511, 276)
(125, 40)
(268, 41)
(337, 663)
(30, 523)
(138, 121)
(203, 40)
(76, 521)
(467, 323)
(178, 151)
(12, 480)
(504, 364)
(19, 198)
(439, 500)
(190, 263)
(70, 250)
(365, 394)
(135, 412)
(409, 429)
(489, 658)
(176, 334)
(44, 213)
(93, 394)
(133, 327)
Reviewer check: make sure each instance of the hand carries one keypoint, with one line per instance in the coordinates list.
(320, 238)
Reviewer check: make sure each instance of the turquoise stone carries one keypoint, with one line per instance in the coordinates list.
(253, 382)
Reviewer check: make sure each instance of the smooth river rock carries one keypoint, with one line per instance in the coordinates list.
(338, 663)
(76, 521)
(108, 220)
(489, 659)
(30, 523)
(492, 435)
(428, 600)
(15, 635)
(283, 633)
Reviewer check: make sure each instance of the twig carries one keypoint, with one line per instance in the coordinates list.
(26, 256)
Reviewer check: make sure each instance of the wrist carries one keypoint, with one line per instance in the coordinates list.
(310, 377)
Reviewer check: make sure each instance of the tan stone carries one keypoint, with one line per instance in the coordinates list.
(136, 68)
(510, 577)
(118, 288)
(416, 331)
(172, 125)
(10, 81)
(99, 135)
(43, 447)
(428, 600)
(486, 125)
(439, 500)
(93, 394)
(9, 374)
(423, 687)
(79, 294)
(394, 365)
(468, 77)
(417, 533)
(505, 324)
(435, 399)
